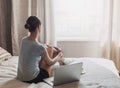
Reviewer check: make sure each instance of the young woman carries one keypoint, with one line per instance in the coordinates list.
(35, 60)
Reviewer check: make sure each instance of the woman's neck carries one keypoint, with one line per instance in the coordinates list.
(33, 36)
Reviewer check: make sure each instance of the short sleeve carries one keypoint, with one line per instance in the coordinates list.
(41, 49)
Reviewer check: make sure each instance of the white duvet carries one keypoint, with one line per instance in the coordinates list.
(99, 73)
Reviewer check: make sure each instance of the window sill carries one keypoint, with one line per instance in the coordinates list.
(77, 39)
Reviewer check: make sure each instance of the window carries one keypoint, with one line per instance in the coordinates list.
(80, 19)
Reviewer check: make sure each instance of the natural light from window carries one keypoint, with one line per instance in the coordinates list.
(79, 19)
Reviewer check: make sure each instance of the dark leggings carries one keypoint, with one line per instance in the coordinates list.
(42, 75)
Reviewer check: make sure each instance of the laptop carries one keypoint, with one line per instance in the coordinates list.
(65, 74)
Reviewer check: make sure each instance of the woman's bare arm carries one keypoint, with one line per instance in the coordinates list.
(49, 61)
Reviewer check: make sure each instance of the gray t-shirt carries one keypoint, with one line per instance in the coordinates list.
(30, 55)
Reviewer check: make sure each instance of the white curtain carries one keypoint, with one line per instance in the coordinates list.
(115, 34)
(20, 12)
(111, 39)
(49, 24)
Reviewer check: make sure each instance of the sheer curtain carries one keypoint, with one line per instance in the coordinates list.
(20, 13)
(50, 34)
(111, 43)
(115, 51)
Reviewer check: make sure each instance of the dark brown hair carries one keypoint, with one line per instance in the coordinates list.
(32, 23)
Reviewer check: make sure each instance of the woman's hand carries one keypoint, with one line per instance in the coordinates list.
(48, 58)
(53, 51)
(56, 51)
(61, 59)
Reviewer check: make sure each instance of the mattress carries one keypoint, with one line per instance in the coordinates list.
(99, 73)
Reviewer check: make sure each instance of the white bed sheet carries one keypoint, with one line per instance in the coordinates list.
(99, 73)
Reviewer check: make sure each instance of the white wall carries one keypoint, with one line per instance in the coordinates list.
(80, 48)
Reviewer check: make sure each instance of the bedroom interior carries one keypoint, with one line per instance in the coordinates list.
(87, 31)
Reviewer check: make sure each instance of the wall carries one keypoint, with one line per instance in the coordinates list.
(80, 48)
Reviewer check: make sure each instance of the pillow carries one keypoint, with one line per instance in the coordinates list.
(4, 55)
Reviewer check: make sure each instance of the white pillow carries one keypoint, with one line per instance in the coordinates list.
(4, 54)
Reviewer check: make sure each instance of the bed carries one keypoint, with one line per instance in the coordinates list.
(99, 73)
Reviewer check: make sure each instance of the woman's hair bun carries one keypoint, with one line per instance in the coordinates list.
(27, 26)
(32, 23)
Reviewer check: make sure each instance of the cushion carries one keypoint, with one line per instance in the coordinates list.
(4, 54)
